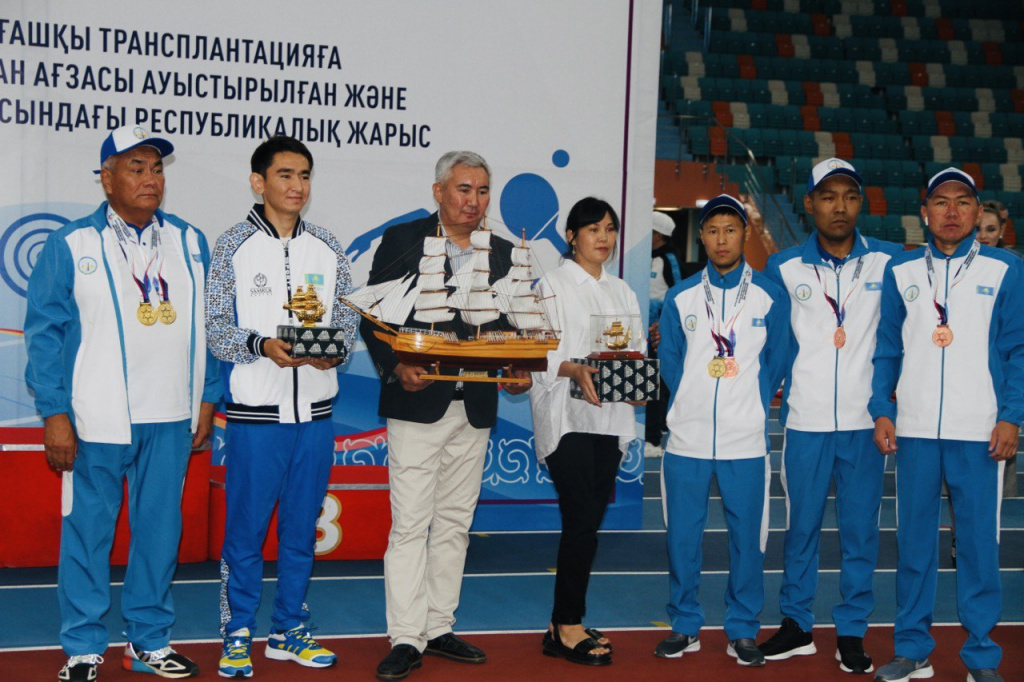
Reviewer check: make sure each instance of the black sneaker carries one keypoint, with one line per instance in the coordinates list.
(165, 662)
(851, 656)
(745, 652)
(788, 641)
(80, 669)
(675, 645)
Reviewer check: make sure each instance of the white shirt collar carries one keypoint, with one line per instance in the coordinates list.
(579, 275)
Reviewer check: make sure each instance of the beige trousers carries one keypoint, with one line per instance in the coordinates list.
(435, 471)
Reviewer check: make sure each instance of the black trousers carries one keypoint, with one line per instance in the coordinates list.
(583, 468)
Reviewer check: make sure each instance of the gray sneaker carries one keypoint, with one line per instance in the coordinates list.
(675, 645)
(901, 669)
(745, 652)
(983, 675)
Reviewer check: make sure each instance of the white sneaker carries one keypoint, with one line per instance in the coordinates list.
(652, 450)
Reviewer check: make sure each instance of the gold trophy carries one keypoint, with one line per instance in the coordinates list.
(310, 340)
(624, 374)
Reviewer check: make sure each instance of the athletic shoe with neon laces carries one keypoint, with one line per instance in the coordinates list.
(80, 669)
(901, 669)
(788, 641)
(851, 656)
(675, 645)
(299, 646)
(165, 662)
(235, 660)
(983, 675)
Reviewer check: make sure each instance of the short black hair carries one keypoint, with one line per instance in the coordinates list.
(263, 157)
(588, 211)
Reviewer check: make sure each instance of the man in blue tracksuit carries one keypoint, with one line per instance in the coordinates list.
(280, 437)
(724, 344)
(951, 344)
(834, 282)
(117, 360)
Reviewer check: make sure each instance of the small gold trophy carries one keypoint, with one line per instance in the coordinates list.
(309, 340)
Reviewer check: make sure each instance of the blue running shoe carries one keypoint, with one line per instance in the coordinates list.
(235, 661)
(299, 646)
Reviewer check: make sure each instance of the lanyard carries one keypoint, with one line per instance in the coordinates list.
(840, 310)
(137, 259)
(725, 341)
(943, 308)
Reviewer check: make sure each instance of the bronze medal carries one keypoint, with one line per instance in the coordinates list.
(166, 312)
(146, 314)
(839, 338)
(716, 368)
(732, 368)
(942, 336)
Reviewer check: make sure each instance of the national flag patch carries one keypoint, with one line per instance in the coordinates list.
(986, 291)
(872, 286)
(757, 322)
(316, 280)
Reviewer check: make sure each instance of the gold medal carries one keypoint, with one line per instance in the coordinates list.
(716, 368)
(839, 338)
(942, 336)
(146, 314)
(732, 368)
(166, 312)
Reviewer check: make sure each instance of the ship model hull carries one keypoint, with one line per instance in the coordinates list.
(512, 353)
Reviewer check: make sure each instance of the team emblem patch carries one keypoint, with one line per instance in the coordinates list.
(757, 322)
(803, 292)
(986, 291)
(911, 293)
(690, 322)
(86, 265)
(872, 286)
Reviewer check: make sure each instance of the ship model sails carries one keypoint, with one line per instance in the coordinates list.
(468, 293)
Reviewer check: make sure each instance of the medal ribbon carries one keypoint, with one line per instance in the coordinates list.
(726, 343)
(132, 251)
(840, 310)
(943, 308)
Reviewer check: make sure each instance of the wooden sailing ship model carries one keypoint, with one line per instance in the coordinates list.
(432, 299)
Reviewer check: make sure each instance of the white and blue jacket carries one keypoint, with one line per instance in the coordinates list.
(722, 418)
(74, 331)
(253, 275)
(960, 391)
(828, 388)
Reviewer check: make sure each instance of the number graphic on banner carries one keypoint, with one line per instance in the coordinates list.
(328, 527)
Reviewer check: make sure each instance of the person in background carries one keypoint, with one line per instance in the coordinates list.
(665, 274)
(580, 441)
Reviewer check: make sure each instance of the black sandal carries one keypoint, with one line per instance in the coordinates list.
(578, 654)
(598, 635)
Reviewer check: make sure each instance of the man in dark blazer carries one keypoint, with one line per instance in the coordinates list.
(437, 434)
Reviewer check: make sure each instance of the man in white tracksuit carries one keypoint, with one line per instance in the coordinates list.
(951, 344)
(834, 282)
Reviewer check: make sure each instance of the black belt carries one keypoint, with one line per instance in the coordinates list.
(459, 394)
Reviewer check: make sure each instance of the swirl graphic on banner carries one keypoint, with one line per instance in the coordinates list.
(20, 246)
(512, 465)
(632, 466)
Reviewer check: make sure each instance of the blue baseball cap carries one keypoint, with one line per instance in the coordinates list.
(828, 168)
(723, 201)
(125, 138)
(950, 175)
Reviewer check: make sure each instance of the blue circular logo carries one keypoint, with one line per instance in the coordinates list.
(803, 292)
(911, 293)
(20, 246)
(690, 322)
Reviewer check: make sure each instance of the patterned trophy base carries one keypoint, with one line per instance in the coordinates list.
(314, 342)
(622, 380)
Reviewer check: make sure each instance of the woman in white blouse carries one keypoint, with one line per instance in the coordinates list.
(580, 441)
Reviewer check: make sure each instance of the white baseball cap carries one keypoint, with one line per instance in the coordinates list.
(830, 167)
(663, 224)
(950, 175)
(126, 138)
